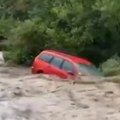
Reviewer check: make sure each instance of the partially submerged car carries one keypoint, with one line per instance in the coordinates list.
(63, 65)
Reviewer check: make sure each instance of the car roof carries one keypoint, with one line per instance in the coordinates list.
(71, 57)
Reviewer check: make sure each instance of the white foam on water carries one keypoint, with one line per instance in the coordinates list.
(2, 61)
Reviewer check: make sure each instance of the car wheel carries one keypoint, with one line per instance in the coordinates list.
(39, 72)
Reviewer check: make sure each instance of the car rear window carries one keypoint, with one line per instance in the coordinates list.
(56, 61)
(67, 66)
(46, 57)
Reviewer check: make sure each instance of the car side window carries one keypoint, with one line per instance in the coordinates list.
(67, 66)
(46, 57)
(56, 61)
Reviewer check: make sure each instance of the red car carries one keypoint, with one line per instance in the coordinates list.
(63, 65)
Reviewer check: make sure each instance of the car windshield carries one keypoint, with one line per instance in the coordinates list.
(89, 70)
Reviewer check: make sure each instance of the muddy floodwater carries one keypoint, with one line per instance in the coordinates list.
(32, 97)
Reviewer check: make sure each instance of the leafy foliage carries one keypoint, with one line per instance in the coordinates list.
(88, 28)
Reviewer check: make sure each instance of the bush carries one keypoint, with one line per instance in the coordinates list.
(112, 66)
(5, 26)
(26, 41)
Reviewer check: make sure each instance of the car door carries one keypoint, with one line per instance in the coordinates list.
(69, 68)
(55, 67)
(43, 61)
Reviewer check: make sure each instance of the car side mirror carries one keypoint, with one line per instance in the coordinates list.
(70, 73)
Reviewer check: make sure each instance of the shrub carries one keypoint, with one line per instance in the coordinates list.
(26, 41)
(112, 66)
(5, 26)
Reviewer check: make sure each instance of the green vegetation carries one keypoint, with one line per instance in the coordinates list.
(112, 66)
(87, 28)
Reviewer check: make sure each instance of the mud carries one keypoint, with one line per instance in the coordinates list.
(36, 97)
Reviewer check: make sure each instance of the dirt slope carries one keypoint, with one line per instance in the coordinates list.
(27, 97)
